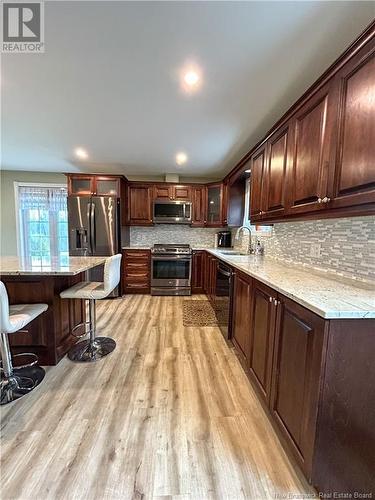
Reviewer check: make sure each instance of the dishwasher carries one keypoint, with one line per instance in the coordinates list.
(223, 299)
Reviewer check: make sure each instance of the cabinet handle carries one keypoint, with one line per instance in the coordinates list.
(320, 200)
(275, 302)
(326, 199)
(270, 299)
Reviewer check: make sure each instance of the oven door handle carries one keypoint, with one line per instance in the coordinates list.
(172, 257)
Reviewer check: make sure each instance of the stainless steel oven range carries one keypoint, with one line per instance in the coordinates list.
(171, 270)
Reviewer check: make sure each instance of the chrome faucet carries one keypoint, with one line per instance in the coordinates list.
(239, 231)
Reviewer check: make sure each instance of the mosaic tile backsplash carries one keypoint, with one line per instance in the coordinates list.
(172, 233)
(346, 245)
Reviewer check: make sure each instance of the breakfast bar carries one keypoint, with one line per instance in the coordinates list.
(50, 335)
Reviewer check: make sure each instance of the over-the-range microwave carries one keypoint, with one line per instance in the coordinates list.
(172, 212)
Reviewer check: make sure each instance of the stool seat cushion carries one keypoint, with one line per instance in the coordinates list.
(20, 315)
(85, 290)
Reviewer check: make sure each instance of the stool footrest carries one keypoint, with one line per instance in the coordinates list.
(25, 360)
(84, 323)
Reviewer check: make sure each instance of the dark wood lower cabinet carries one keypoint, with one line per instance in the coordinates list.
(209, 282)
(316, 378)
(198, 271)
(345, 433)
(136, 271)
(242, 298)
(297, 374)
(49, 336)
(262, 328)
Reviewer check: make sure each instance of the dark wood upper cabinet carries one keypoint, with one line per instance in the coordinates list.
(278, 153)
(81, 185)
(263, 316)
(98, 185)
(235, 201)
(163, 192)
(198, 198)
(139, 205)
(170, 192)
(214, 205)
(258, 161)
(242, 295)
(182, 193)
(107, 186)
(312, 137)
(318, 159)
(296, 377)
(353, 179)
(208, 202)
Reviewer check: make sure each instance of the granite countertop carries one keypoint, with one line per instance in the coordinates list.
(145, 247)
(326, 296)
(17, 266)
(134, 247)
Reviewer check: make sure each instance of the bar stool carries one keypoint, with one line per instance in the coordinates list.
(95, 347)
(17, 381)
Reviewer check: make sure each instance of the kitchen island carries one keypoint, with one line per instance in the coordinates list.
(50, 335)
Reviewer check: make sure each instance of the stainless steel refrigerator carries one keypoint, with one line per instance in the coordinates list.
(94, 229)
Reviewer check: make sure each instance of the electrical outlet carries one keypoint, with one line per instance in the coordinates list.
(315, 250)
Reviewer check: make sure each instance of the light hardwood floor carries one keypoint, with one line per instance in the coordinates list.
(169, 414)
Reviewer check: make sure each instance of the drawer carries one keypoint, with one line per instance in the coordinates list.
(137, 265)
(137, 286)
(137, 254)
(135, 274)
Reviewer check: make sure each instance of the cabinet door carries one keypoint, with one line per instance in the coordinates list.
(263, 317)
(81, 185)
(139, 205)
(197, 275)
(241, 329)
(258, 161)
(308, 171)
(353, 182)
(278, 153)
(206, 270)
(163, 192)
(182, 193)
(107, 186)
(199, 206)
(296, 377)
(214, 205)
(213, 277)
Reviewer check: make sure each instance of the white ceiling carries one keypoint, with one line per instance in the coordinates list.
(109, 81)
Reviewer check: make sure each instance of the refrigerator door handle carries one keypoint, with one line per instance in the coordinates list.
(89, 243)
(93, 228)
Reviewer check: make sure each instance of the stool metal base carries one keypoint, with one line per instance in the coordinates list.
(20, 383)
(86, 351)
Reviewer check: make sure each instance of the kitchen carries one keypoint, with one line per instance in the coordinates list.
(189, 331)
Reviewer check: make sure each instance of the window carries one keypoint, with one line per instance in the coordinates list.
(42, 223)
(260, 230)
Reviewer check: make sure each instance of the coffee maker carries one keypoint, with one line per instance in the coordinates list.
(224, 239)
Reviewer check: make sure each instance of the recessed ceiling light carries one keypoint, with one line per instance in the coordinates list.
(181, 158)
(191, 78)
(247, 171)
(81, 153)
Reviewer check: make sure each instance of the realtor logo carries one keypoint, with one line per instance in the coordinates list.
(23, 27)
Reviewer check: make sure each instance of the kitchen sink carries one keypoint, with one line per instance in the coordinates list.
(234, 253)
